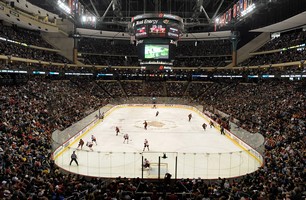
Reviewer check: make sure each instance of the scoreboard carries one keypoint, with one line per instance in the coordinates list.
(156, 36)
(157, 26)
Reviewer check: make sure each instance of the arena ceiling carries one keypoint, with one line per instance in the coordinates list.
(198, 15)
(183, 8)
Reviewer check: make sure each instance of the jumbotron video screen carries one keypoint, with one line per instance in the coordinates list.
(156, 51)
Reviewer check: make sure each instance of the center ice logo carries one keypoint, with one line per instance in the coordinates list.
(155, 125)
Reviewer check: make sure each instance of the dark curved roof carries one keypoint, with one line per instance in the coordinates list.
(197, 18)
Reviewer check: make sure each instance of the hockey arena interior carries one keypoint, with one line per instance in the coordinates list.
(152, 100)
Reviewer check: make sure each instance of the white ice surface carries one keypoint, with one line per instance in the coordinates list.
(198, 153)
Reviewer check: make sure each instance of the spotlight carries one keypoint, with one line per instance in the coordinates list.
(84, 18)
(164, 156)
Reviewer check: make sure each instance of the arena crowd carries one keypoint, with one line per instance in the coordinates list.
(285, 40)
(216, 53)
(20, 48)
(288, 46)
(30, 112)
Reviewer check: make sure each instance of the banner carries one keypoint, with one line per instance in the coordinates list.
(238, 9)
(82, 10)
(70, 4)
(245, 5)
(250, 2)
(241, 6)
(234, 10)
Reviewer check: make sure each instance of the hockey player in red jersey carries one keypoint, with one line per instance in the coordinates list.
(81, 143)
(157, 113)
(204, 126)
(211, 124)
(145, 124)
(117, 130)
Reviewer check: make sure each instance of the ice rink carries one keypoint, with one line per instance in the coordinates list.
(191, 151)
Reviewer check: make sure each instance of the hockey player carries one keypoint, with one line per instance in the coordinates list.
(81, 143)
(156, 113)
(117, 130)
(126, 138)
(189, 117)
(222, 130)
(89, 144)
(204, 126)
(146, 163)
(145, 124)
(93, 139)
(146, 145)
(211, 124)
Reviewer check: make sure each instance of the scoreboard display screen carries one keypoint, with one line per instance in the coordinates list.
(156, 28)
(141, 32)
(173, 33)
(156, 51)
